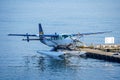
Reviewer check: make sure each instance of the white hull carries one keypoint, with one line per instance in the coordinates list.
(61, 55)
(53, 54)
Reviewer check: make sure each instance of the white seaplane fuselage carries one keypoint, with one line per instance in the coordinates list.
(62, 40)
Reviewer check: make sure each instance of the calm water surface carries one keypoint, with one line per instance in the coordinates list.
(19, 60)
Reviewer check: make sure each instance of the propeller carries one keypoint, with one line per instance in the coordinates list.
(27, 35)
(77, 38)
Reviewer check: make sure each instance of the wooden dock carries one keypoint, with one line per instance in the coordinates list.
(108, 52)
(99, 54)
(108, 47)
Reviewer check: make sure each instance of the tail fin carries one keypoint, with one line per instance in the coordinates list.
(40, 30)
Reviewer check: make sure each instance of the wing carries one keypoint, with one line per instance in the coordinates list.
(82, 34)
(50, 35)
(34, 35)
(39, 36)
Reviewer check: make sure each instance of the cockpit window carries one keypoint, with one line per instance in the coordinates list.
(64, 36)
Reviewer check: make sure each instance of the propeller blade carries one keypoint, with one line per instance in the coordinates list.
(27, 37)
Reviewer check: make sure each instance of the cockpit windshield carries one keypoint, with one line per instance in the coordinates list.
(64, 36)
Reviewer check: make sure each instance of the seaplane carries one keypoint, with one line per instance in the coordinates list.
(57, 41)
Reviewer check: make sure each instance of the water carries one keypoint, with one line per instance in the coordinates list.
(19, 60)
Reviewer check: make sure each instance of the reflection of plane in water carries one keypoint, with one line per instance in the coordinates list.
(57, 41)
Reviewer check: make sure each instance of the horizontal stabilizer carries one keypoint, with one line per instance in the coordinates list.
(30, 39)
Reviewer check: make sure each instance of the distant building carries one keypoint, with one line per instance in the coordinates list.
(109, 40)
